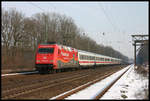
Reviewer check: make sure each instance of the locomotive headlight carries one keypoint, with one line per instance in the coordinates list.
(38, 60)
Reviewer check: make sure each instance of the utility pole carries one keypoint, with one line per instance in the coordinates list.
(88, 41)
(46, 27)
(138, 41)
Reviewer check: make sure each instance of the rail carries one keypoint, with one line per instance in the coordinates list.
(98, 94)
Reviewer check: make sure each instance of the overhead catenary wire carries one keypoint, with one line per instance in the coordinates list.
(100, 5)
(46, 36)
(36, 6)
(108, 18)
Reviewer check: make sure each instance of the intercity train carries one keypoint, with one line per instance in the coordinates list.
(53, 56)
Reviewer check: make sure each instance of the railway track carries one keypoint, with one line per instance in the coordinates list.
(10, 74)
(35, 87)
(43, 84)
(97, 95)
(26, 80)
(80, 88)
(36, 79)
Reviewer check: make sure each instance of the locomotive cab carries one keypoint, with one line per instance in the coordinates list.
(45, 57)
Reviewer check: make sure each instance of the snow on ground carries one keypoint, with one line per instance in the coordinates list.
(10, 74)
(91, 92)
(129, 86)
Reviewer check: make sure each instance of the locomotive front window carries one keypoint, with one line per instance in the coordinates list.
(46, 50)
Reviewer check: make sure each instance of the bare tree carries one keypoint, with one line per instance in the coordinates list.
(22, 34)
(16, 22)
(6, 31)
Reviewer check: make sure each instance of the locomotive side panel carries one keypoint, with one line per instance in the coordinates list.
(67, 57)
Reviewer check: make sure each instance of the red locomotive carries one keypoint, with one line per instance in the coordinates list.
(53, 56)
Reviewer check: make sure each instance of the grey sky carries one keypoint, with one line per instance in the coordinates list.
(118, 20)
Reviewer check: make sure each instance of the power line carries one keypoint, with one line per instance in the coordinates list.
(36, 6)
(46, 34)
(101, 6)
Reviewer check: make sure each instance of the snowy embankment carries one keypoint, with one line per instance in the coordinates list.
(129, 86)
(92, 91)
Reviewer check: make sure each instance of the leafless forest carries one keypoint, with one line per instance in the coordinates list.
(20, 36)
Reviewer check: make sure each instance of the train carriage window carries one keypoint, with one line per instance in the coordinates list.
(84, 57)
(81, 57)
(100, 59)
(93, 58)
(87, 57)
(96, 58)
